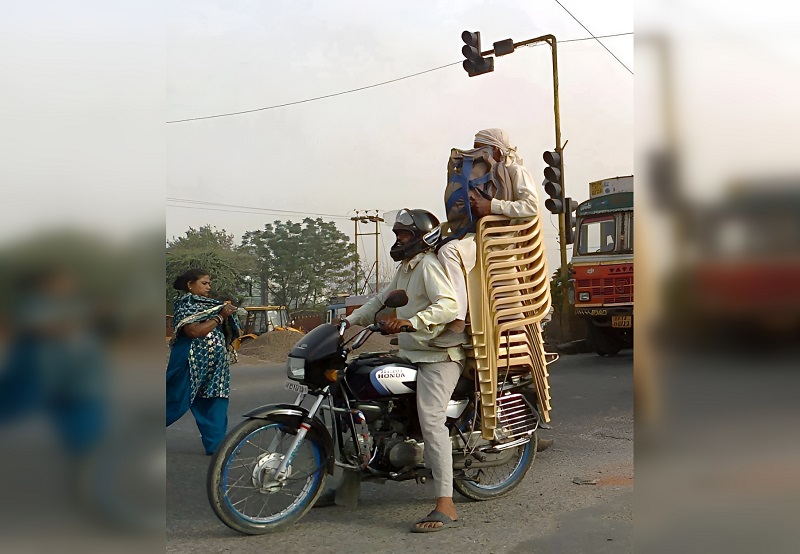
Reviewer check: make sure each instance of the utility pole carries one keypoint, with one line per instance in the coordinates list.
(366, 218)
(355, 249)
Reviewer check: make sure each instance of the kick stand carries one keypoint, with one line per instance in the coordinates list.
(349, 489)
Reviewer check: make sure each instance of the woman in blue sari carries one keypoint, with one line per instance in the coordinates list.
(198, 373)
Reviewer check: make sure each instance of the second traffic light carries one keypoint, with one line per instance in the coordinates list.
(474, 63)
(553, 185)
(570, 206)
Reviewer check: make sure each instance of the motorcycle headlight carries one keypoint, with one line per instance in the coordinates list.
(296, 368)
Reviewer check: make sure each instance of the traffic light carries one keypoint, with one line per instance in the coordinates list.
(552, 182)
(570, 206)
(474, 63)
(503, 47)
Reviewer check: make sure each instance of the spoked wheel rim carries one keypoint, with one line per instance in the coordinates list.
(248, 486)
(490, 478)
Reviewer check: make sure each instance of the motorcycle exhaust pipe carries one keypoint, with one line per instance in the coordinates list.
(478, 465)
(470, 463)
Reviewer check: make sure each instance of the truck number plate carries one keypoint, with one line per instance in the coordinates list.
(295, 387)
(620, 321)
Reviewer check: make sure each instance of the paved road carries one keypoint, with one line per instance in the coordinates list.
(593, 432)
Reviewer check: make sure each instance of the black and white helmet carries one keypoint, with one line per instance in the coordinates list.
(425, 228)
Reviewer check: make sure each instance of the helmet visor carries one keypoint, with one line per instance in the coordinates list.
(404, 217)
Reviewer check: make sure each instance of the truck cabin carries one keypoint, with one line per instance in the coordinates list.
(605, 225)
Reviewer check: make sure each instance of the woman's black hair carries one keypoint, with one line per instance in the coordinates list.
(190, 276)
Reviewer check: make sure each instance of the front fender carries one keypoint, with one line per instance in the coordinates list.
(292, 415)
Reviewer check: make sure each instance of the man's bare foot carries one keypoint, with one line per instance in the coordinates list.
(444, 505)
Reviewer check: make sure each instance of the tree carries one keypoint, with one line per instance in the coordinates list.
(564, 325)
(301, 264)
(214, 251)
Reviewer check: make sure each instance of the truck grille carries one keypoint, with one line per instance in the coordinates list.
(612, 290)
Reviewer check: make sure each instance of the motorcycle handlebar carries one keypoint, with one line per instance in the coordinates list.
(381, 326)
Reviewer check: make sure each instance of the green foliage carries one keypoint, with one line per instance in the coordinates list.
(203, 238)
(301, 264)
(214, 251)
(564, 325)
(559, 287)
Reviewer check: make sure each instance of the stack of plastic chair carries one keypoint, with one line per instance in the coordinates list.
(509, 295)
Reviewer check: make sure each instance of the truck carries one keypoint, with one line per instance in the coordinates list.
(602, 264)
(737, 278)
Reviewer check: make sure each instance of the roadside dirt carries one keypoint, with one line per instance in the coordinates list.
(274, 347)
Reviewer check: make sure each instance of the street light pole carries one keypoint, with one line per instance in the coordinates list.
(367, 219)
(377, 220)
(355, 248)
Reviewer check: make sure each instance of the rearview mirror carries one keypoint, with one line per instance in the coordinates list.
(396, 299)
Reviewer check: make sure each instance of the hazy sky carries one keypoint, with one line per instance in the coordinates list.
(386, 147)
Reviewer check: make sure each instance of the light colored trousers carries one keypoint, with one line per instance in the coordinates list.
(458, 258)
(436, 382)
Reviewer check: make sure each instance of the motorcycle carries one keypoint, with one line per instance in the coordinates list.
(270, 469)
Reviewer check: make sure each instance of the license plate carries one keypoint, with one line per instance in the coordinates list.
(621, 320)
(295, 387)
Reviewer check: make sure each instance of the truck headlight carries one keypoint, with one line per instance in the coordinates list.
(296, 368)
(584, 296)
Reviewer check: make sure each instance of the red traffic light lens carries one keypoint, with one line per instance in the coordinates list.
(472, 39)
(552, 158)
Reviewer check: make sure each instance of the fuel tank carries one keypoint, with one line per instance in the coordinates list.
(371, 377)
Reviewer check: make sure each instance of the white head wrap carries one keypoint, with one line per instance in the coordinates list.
(499, 138)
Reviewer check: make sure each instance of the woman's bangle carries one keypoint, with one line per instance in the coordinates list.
(218, 319)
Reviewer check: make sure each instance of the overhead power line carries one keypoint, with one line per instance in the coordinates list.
(594, 37)
(216, 206)
(376, 84)
(316, 98)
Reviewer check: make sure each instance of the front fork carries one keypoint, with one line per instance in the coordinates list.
(305, 426)
(355, 422)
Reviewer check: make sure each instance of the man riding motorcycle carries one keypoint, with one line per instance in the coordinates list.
(431, 305)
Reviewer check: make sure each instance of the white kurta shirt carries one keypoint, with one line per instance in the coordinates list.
(431, 305)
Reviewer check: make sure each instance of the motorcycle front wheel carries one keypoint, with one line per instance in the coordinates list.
(493, 482)
(241, 484)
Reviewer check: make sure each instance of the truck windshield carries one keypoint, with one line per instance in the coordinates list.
(597, 235)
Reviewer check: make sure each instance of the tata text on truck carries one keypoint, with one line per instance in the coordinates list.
(602, 262)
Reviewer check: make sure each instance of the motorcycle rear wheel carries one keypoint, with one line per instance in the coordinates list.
(493, 482)
(239, 483)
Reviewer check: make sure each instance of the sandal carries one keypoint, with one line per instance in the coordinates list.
(435, 517)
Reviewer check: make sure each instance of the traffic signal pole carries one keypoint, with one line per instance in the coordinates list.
(551, 40)
(562, 235)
